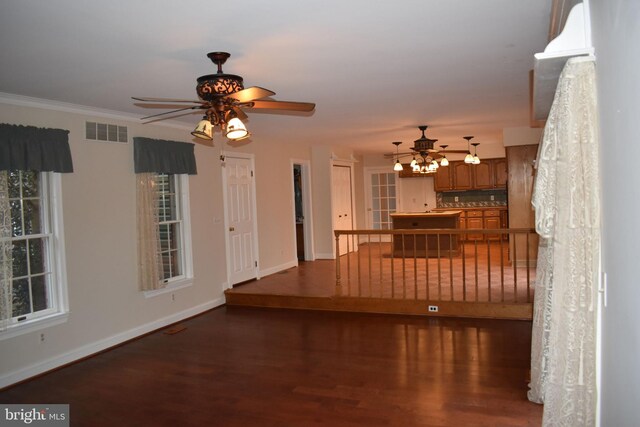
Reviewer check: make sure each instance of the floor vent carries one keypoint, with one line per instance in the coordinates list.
(106, 132)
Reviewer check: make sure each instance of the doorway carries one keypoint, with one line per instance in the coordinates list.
(342, 205)
(302, 210)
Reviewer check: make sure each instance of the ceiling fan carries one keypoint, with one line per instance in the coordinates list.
(223, 99)
(428, 156)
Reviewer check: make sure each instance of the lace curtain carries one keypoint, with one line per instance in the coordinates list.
(566, 201)
(5, 252)
(149, 266)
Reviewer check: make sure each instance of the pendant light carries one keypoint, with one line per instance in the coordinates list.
(204, 130)
(236, 130)
(444, 161)
(469, 157)
(397, 166)
(476, 159)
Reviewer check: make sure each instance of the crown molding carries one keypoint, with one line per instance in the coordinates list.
(47, 104)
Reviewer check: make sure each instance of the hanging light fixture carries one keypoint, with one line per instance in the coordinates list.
(444, 161)
(476, 159)
(397, 166)
(469, 157)
(236, 130)
(204, 130)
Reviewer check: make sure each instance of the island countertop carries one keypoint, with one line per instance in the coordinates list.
(425, 214)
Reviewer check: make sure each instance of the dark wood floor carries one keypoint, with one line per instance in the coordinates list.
(258, 367)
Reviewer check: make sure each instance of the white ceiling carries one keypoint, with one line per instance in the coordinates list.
(375, 69)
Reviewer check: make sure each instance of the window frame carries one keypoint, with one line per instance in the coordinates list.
(51, 217)
(181, 184)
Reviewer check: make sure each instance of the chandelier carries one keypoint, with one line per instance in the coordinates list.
(427, 159)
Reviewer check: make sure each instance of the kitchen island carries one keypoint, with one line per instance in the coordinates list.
(433, 245)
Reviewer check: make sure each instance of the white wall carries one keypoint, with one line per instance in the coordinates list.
(616, 38)
(99, 222)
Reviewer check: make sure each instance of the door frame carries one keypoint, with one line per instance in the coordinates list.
(254, 213)
(307, 225)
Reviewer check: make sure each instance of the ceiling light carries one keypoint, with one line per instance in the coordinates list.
(444, 161)
(397, 166)
(236, 130)
(204, 130)
(469, 157)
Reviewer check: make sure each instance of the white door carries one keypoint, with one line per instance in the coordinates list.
(341, 200)
(380, 193)
(240, 219)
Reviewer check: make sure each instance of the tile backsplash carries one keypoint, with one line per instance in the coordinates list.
(471, 199)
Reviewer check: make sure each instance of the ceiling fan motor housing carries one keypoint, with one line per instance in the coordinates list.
(214, 86)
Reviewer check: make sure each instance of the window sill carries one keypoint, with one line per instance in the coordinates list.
(33, 325)
(171, 287)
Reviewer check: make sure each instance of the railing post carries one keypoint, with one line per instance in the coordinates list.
(338, 284)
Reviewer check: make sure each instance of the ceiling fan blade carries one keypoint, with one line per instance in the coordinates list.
(250, 93)
(195, 107)
(453, 151)
(168, 100)
(283, 105)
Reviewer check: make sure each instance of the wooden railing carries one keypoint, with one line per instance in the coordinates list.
(437, 265)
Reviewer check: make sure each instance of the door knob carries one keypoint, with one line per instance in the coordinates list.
(232, 229)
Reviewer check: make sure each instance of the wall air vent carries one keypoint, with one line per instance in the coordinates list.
(106, 132)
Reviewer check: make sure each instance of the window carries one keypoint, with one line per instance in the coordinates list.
(170, 227)
(174, 235)
(37, 275)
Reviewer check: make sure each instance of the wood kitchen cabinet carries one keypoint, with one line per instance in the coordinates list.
(462, 179)
(483, 175)
(443, 180)
(500, 173)
(483, 219)
(491, 221)
(460, 176)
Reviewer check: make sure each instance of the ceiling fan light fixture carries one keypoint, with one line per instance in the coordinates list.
(204, 130)
(398, 166)
(444, 161)
(414, 162)
(236, 130)
(476, 160)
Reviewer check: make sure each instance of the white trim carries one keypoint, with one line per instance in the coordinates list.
(325, 255)
(27, 101)
(278, 268)
(33, 325)
(103, 344)
(171, 287)
(254, 212)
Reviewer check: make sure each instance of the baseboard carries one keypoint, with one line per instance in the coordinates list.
(98, 346)
(278, 268)
(325, 256)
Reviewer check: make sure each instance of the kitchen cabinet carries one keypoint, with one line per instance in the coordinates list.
(500, 173)
(460, 176)
(491, 221)
(483, 219)
(443, 180)
(483, 175)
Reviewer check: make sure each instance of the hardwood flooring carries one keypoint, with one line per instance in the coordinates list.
(238, 366)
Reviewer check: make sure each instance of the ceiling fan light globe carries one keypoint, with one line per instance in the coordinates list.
(236, 130)
(398, 166)
(476, 160)
(414, 162)
(444, 162)
(204, 130)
